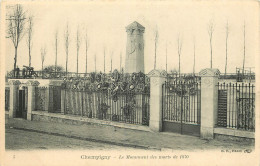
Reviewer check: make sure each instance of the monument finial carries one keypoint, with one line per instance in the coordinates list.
(135, 25)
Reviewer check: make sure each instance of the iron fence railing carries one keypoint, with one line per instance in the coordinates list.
(236, 106)
(7, 98)
(183, 78)
(48, 99)
(41, 98)
(45, 75)
(239, 77)
(126, 107)
(116, 96)
(182, 102)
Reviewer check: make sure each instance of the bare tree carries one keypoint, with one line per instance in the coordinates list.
(67, 43)
(166, 59)
(227, 32)
(210, 33)
(15, 29)
(78, 41)
(179, 47)
(156, 36)
(104, 60)
(56, 50)
(111, 65)
(86, 47)
(120, 61)
(95, 63)
(194, 55)
(43, 54)
(29, 37)
(244, 58)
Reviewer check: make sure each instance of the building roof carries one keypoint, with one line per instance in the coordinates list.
(134, 25)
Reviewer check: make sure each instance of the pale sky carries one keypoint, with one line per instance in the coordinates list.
(106, 24)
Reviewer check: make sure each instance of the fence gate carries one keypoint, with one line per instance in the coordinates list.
(22, 103)
(181, 107)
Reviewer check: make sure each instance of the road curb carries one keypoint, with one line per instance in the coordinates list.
(89, 139)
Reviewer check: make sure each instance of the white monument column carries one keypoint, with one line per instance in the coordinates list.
(209, 101)
(134, 60)
(157, 79)
(31, 97)
(14, 90)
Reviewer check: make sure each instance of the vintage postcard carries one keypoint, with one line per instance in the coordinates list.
(129, 82)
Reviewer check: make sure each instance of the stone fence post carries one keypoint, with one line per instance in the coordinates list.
(50, 106)
(31, 97)
(14, 90)
(62, 98)
(49, 99)
(157, 79)
(209, 101)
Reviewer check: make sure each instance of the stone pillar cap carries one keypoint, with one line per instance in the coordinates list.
(32, 83)
(14, 82)
(208, 72)
(157, 73)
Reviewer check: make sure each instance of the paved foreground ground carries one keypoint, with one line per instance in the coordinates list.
(106, 137)
(22, 140)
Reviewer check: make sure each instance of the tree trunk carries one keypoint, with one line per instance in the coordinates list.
(95, 63)
(42, 69)
(29, 55)
(66, 64)
(243, 72)
(56, 44)
(226, 59)
(111, 65)
(86, 59)
(194, 61)
(210, 53)
(77, 61)
(179, 65)
(15, 59)
(154, 55)
(166, 60)
(120, 62)
(104, 62)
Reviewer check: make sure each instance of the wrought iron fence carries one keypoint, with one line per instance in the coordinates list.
(48, 95)
(182, 101)
(238, 76)
(127, 107)
(184, 77)
(236, 106)
(7, 98)
(40, 98)
(114, 97)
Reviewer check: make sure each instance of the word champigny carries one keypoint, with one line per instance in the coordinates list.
(136, 157)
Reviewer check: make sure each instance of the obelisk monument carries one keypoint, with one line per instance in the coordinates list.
(134, 61)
